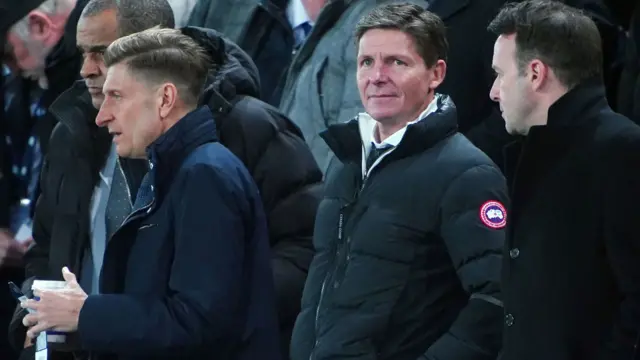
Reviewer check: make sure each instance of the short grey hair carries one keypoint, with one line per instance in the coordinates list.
(49, 7)
(134, 15)
(163, 55)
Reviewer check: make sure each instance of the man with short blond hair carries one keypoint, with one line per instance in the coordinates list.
(187, 275)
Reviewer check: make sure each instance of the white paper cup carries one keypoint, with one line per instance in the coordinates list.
(49, 285)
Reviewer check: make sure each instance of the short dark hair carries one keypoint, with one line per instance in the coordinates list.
(426, 28)
(157, 55)
(134, 15)
(562, 37)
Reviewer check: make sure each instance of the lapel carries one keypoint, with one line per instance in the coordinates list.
(531, 160)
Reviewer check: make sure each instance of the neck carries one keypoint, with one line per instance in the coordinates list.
(174, 117)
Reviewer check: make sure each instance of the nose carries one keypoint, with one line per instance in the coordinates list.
(89, 68)
(379, 75)
(494, 93)
(104, 116)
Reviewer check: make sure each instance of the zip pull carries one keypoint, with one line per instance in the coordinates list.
(341, 224)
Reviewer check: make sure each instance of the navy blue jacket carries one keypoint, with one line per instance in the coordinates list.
(187, 275)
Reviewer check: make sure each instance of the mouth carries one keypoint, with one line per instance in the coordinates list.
(115, 135)
(382, 96)
(94, 90)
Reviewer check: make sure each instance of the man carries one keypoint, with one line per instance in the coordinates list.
(38, 61)
(86, 189)
(187, 274)
(409, 235)
(255, 132)
(571, 278)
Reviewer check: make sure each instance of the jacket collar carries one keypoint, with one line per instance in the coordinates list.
(167, 153)
(346, 142)
(574, 107)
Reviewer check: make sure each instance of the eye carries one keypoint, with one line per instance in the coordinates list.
(366, 62)
(399, 62)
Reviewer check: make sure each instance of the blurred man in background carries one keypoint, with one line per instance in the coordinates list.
(39, 61)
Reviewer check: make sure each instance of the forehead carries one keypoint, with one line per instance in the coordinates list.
(100, 29)
(386, 41)
(504, 49)
(119, 78)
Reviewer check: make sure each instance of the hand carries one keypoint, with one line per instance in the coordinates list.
(56, 310)
(11, 250)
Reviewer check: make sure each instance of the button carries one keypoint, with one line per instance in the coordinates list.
(514, 253)
(152, 187)
(336, 284)
(150, 165)
(508, 319)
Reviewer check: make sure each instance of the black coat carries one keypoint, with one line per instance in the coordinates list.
(571, 273)
(187, 274)
(274, 151)
(404, 265)
(629, 89)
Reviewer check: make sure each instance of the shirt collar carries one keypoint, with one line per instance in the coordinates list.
(296, 14)
(370, 126)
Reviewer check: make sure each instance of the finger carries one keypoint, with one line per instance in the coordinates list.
(30, 304)
(37, 329)
(30, 320)
(70, 278)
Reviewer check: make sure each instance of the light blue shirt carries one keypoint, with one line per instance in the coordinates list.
(97, 221)
(297, 16)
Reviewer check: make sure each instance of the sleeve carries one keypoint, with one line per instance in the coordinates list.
(351, 104)
(473, 213)
(622, 241)
(37, 258)
(291, 193)
(210, 215)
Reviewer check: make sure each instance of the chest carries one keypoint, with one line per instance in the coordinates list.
(139, 256)
(388, 213)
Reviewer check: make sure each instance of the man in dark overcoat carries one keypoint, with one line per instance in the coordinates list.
(571, 270)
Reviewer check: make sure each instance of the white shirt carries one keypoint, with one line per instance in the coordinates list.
(182, 10)
(368, 128)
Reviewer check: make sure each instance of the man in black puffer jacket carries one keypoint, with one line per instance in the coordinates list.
(410, 233)
(269, 145)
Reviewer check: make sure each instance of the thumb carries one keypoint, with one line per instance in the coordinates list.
(69, 277)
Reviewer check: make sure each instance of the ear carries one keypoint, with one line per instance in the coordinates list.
(537, 73)
(439, 72)
(40, 25)
(167, 99)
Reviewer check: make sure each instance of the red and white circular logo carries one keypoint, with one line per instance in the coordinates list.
(493, 214)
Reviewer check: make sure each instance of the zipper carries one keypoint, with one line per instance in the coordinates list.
(341, 223)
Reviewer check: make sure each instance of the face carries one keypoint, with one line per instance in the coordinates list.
(394, 82)
(94, 35)
(313, 8)
(131, 112)
(511, 88)
(29, 42)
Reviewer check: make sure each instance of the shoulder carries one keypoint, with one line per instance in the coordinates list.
(214, 164)
(257, 118)
(615, 133)
(460, 155)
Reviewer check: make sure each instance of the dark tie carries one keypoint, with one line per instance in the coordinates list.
(301, 32)
(119, 203)
(376, 152)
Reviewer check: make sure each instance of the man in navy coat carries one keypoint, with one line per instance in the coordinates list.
(186, 276)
